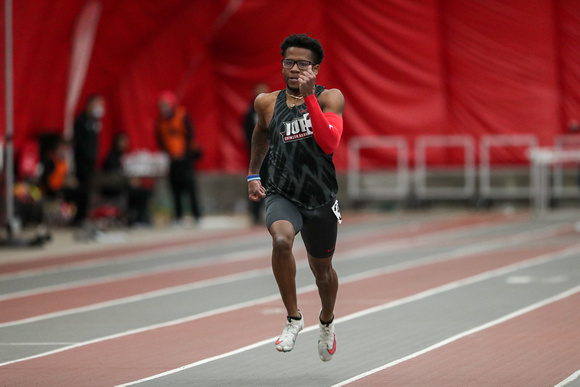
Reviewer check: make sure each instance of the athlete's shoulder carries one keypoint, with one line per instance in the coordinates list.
(332, 100)
(331, 93)
(265, 100)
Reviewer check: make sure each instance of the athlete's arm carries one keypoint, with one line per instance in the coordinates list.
(326, 121)
(259, 146)
(327, 125)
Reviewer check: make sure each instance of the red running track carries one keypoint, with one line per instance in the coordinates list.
(534, 349)
(52, 301)
(139, 355)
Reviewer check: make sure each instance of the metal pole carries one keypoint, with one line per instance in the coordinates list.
(9, 171)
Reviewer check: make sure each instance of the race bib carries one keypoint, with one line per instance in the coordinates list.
(336, 211)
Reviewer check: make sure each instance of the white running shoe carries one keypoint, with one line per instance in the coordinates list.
(326, 341)
(287, 339)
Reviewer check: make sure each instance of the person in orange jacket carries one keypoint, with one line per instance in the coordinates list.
(175, 136)
(54, 168)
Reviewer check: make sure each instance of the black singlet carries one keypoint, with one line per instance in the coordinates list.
(298, 168)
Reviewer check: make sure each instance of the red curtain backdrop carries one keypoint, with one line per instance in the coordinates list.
(406, 68)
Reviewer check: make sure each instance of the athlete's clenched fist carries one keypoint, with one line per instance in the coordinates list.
(307, 81)
(256, 191)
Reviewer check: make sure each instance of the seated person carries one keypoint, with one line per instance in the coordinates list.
(114, 182)
(137, 190)
(54, 169)
(53, 181)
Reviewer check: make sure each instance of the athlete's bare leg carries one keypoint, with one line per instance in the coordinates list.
(284, 265)
(327, 283)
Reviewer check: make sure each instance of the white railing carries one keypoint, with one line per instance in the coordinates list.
(467, 190)
(146, 164)
(534, 182)
(565, 142)
(357, 189)
(542, 159)
(486, 190)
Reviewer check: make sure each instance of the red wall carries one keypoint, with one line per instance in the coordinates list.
(406, 68)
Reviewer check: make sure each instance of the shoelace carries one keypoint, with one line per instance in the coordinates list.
(290, 329)
(327, 332)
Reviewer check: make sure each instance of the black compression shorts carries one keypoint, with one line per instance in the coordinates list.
(319, 226)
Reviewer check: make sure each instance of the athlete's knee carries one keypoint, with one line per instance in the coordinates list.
(323, 273)
(281, 243)
(282, 236)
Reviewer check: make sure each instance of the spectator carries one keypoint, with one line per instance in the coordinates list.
(137, 193)
(113, 162)
(54, 168)
(87, 127)
(174, 131)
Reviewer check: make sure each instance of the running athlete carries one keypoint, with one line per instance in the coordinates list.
(301, 127)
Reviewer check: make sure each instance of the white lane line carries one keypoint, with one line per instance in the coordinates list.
(406, 242)
(157, 252)
(226, 258)
(507, 317)
(110, 261)
(416, 297)
(111, 258)
(166, 324)
(143, 296)
(114, 259)
(569, 379)
(461, 252)
(35, 344)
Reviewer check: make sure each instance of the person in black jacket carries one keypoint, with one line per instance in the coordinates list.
(87, 127)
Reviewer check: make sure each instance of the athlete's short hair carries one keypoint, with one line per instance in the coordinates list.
(303, 41)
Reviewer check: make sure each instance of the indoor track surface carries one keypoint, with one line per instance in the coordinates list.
(434, 298)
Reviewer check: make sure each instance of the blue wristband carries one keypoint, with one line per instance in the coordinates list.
(253, 177)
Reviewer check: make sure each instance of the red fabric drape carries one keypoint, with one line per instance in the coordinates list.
(502, 68)
(568, 43)
(406, 68)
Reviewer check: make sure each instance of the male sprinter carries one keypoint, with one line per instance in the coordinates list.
(301, 126)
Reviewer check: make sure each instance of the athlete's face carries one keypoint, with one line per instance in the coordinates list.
(292, 74)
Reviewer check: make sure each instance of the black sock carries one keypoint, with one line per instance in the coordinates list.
(294, 318)
(327, 323)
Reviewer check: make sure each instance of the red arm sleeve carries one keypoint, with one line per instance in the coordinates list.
(327, 127)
